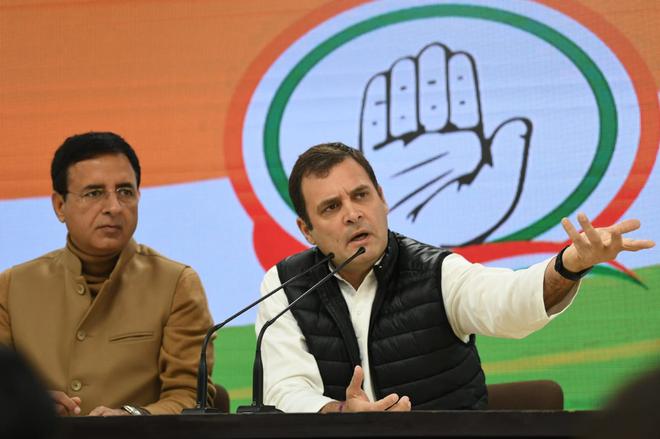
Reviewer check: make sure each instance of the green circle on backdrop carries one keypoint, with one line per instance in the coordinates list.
(594, 77)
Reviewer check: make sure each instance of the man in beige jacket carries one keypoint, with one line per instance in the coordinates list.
(111, 326)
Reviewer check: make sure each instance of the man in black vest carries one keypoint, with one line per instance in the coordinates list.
(395, 329)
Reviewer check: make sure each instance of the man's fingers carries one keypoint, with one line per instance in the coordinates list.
(572, 233)
(107, 411)
(616, 241)
(100, 411)
(601, 244)
(634, 245)
(625, 226)
(355, 386)
(70, 405)
(592, 234)
(390, 403)
(96, 412)
(386, 403)
(629, 244)
(402, 405)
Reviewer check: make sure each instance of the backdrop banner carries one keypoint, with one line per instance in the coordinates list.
(486, 121)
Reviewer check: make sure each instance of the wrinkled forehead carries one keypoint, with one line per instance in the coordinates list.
(342, 178)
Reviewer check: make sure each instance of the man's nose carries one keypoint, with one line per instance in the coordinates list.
(353, 213)
(111, 202)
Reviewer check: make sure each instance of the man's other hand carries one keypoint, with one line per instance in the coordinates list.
(357, 400)
(106, 411)
(64, 404)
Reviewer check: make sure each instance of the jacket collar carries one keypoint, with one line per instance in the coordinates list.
(387, 262)
(74, 265)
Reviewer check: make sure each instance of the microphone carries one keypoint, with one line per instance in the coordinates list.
(258, 369)
(202, 372)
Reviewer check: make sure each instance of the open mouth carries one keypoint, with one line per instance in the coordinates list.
(359, 237)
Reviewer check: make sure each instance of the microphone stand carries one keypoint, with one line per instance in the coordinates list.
(202, 371)
(258, 371)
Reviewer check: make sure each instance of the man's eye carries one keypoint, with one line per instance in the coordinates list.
(94, 193)
(361, 195)
(330, 207)
(126, 192)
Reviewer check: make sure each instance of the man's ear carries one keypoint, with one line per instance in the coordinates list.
(58, 206)
(305, 230)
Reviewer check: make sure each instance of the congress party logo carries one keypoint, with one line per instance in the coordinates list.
(486, 122)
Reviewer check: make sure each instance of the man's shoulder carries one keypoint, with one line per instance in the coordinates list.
(47, 259)
(416, 253)
(297, 263)
(145, 252)
(305, 256)
(412, 242)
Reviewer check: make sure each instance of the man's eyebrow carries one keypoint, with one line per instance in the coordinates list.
(93, 186)
(361, 188)
(327, 202)
(102, 186)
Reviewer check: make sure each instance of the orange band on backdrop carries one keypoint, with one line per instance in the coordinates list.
(160, 73)
(163, 74)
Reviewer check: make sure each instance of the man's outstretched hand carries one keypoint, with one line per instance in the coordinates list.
(597, 245)
(590, 247)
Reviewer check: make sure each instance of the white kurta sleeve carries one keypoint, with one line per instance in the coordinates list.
(496, 301)
(292, 381)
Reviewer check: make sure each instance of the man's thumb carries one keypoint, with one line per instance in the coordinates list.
(355, 386)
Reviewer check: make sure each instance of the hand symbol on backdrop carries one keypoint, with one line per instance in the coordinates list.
(422, 130)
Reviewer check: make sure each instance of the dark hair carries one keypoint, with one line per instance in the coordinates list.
(318, 161)
(86, 146)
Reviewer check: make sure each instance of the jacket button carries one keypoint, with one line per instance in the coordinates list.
(81, 335)
(80, 289)
(76, 385)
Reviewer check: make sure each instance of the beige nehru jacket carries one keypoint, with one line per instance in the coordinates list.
(137, 342)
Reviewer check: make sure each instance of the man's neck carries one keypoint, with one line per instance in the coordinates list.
(354, 278)
(99, 266)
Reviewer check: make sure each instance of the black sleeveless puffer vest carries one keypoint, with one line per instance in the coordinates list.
(412, 348)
